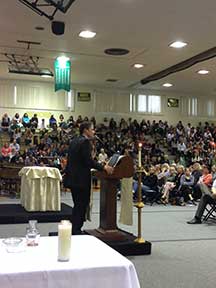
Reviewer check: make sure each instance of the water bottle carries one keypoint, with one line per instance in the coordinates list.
(32, 234)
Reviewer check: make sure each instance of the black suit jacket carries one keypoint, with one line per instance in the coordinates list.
(80, 162)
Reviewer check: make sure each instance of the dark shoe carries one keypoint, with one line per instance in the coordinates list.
(194, 221)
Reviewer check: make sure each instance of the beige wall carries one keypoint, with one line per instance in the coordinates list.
(40, 98)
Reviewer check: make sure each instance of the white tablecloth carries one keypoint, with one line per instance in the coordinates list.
(40, 188)
(92, 264)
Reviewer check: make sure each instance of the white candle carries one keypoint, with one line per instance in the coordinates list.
(139, 155)
(64, 240)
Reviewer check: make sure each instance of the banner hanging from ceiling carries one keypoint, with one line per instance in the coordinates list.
(62, 66)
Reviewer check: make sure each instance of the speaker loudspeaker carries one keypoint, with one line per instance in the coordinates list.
(58, 27)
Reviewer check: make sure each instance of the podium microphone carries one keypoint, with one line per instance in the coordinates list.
(98, 138)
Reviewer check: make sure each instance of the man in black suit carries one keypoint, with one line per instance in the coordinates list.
(78, 171)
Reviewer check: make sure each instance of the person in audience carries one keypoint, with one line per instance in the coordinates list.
(196, 172)
(186, 186)
(42, 125)
(196, 157)
(169, 185)
(26, 120)
(79, 120)
(102, 157)
(70, 122)
(28, 136)
(17, 135)
(163, 174)
(34, 121)
(208, 197)
(13, 155)
(175, 196)
(15, 145)
(93, 121)
(213, 172)
(150, 184)
(52, 121)
(205, 179)
(5, 122)
(62, 122)
(5, 152)
(17, 120)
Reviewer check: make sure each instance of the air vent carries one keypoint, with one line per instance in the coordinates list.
(111, 80)
(116, 51)
(39, 28)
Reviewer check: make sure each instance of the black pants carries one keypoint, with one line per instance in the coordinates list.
(204, 201)
(81, 198)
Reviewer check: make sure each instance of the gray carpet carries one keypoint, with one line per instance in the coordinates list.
(183, 255)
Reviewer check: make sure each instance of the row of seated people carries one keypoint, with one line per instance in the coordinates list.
(176, 185)
(25, 121)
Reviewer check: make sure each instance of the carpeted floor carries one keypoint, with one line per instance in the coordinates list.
(183, 256)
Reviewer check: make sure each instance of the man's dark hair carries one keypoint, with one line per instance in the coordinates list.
(84, 125)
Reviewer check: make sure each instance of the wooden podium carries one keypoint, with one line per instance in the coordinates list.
(108, 231)
(108, 189)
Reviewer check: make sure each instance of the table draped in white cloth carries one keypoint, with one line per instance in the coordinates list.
(40, 188)
(92, 264)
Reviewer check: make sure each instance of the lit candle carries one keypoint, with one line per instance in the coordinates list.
(64, 240)
(139, 154)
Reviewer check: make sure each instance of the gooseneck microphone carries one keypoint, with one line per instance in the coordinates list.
(99, 139)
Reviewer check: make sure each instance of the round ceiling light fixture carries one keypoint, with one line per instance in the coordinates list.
(116, 51)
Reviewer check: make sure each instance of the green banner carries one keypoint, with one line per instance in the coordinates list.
(62, 74)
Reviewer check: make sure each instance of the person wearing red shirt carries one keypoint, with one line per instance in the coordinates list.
(6, 152)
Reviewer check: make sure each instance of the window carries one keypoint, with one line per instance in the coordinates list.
(154, 104)
(149, 104)
(15, 94)
(210, 108)
(142, 103)
(70, 100)
(132, 101)
(192, 106)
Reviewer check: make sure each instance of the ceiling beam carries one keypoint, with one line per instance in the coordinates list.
(206, 55)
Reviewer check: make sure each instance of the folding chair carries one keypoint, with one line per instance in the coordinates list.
(210, 212)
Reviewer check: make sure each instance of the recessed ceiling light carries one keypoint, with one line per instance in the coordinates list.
(138, 66)
(178, 44)
(87, 34)
(203, 71)
(167, 85)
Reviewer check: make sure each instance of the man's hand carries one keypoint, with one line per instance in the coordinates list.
(108, 169)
